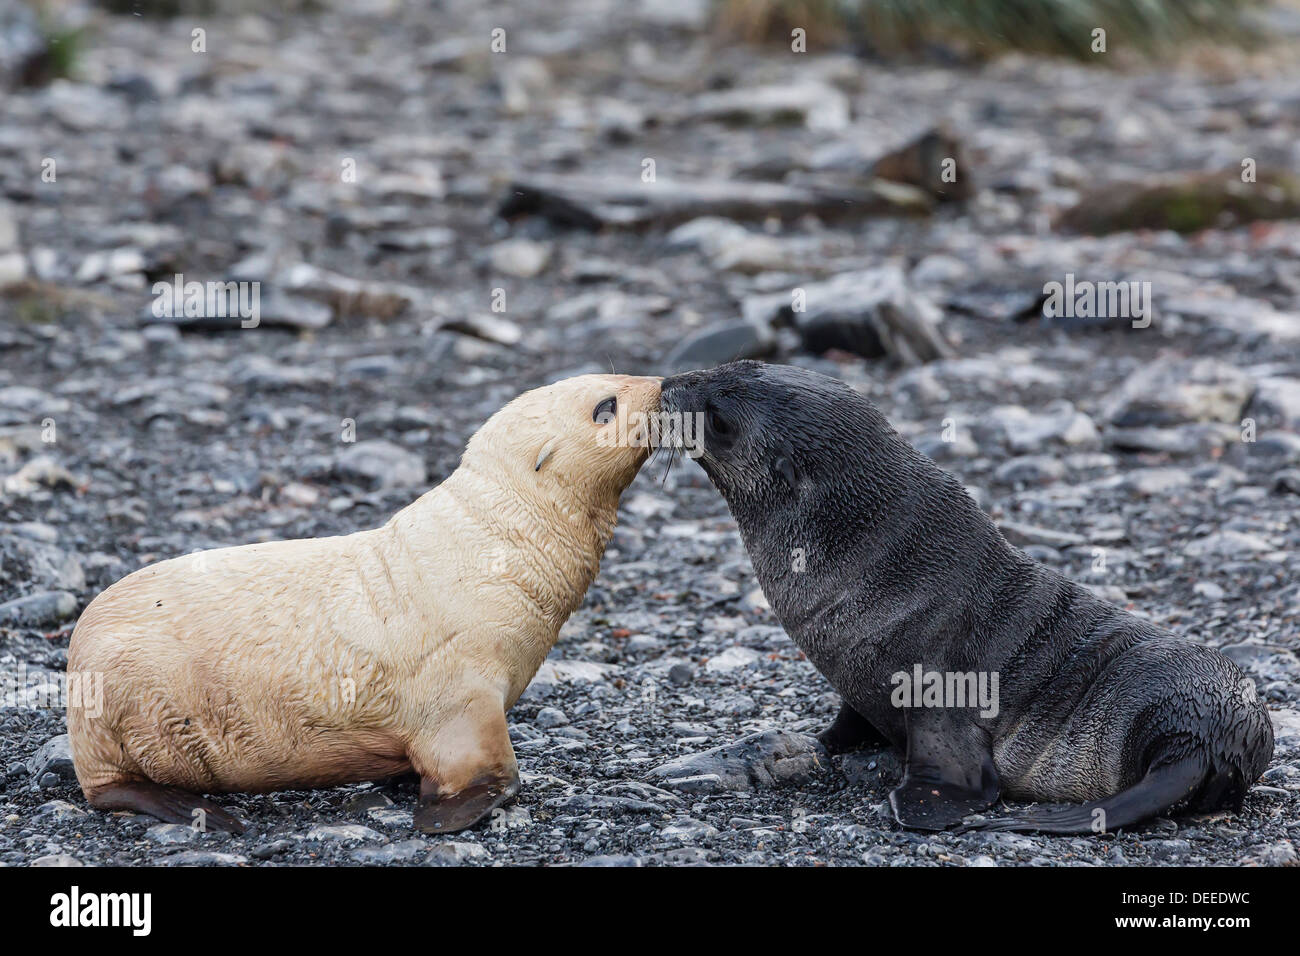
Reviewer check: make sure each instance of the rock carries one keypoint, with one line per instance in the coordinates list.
(815, 105)
(1276, 854)
(24, 46)
(621, 861)
(1209, 590)
(732, 659)
(381, 464)
(54, 757)
(110, 264)
(626, 202)
(202, 858)
(1156, 482)
(603, 803)
(455, 854)
(522, 258)
(1227, 544)
(1186, 202)
(679, 675)
(873, 312)
(488, 328)
(1175, 391)
(1030, 470)
(169, 833)
(767, 759)
(923, 162)
(1269, 662)
(876, 770)
(1287, 481)
(40, 472)
(399, 852)
(1025, 431)
(1277, 403)
(720, 343)
(13, 269)
(344, 833)
(553, 673)
(57, 811)
(1023, 535)
(44, 609)
(549, 717)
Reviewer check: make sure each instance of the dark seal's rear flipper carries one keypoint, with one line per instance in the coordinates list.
(1162, 789)
(849, 731)
(950, 772)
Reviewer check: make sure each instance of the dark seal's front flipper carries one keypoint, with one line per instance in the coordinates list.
(949, 772)
(849, 731)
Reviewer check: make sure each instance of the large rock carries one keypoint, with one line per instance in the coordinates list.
(1186, 202)
(720, 343)
(771, 758)
(54, 757)
(923, 163)
(815, 105)
(1177, 391)
(872, 312)
(381, 464)
(588, 202)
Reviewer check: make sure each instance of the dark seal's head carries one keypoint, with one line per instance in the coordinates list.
(771, 433)
(810, 467)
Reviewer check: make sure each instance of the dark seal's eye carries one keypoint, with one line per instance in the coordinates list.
(717, 424)
(605, 411)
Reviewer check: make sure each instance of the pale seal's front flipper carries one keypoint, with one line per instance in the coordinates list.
(850, 731)
(949, 772)
(467, 768)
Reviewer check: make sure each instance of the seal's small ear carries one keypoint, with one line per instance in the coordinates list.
(544, 454)
(784, 467)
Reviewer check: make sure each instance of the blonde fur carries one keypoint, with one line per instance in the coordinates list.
(323, 661)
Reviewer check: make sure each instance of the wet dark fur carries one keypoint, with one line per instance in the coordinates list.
(902, 567)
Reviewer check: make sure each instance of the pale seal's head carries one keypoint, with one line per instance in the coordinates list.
(583, 437)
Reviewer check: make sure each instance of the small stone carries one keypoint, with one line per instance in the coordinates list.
(732, 659)
(169, 833)
(549, 717)
(522, 258)
(345, 833)
(455, 854)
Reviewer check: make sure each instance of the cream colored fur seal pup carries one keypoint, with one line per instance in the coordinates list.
(333, 660)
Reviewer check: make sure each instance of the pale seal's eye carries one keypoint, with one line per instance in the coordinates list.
(605, 411)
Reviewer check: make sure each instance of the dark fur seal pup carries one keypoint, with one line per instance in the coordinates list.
(876, 561)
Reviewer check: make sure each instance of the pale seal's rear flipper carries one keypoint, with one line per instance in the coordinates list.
(949, 774)
(1162, 789)
(168, 804)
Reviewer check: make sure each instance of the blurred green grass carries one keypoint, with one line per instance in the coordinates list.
(987, 27)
